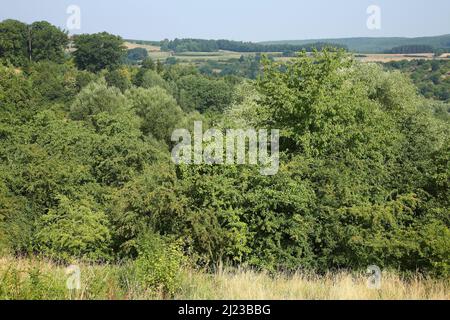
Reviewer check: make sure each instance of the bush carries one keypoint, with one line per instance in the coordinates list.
(15, 222)
(158, 110)
(152, 79)
(119, 78)
(18, 97)
(54, 81)
(202, 94)
(97, 97)
(74, 230)
(135, 55)
(159, 263)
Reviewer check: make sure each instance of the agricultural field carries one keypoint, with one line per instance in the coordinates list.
(223, 55)
(386, 57)
(153, 51)
(188, 57)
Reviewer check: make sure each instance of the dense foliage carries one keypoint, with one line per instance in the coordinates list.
(412, 49)
(21, 43)
(432, 77)
(246, 67)
(199, 45)
(85, 168)
(95, 52)
(136, 55)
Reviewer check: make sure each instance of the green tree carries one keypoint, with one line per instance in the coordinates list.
(152, 79)
(55, 82)
(14, 42)
(95, 98)
(47, 42)
(18, 98)
(95, 52)
(196, 92)
(20, 43)
(158, 110)
(15, 219)
(362, 140)
(147, 65)
(159, 67)
(122, 151)
(136, 55)
(119, 78)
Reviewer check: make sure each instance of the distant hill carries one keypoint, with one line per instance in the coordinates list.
(375, 45)
(203, 45)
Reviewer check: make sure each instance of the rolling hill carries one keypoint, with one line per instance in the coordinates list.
(375, 45)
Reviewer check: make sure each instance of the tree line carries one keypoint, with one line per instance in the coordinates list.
(21, 43)
(411, 49)
(199, 45)
(417, 48)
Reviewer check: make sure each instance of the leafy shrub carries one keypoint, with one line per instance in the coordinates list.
(119, 78)
(17, 95)
(54, 81)
(158, 110)
(15, 222)
(74, 230)
(152, 79)
(200, 93)
(95, 98)
(159, 263)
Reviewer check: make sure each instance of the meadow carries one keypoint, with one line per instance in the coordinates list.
(37, 279)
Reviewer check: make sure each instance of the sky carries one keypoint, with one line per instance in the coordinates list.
(246, 20)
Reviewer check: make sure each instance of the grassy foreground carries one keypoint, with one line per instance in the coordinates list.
(37, 279)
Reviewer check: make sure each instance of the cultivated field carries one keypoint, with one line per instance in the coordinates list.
(394, 57)
(222, 55)
(156, 54)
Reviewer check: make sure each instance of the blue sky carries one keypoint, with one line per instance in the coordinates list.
(249, 20)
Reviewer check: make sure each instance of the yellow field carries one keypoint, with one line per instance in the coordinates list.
(341, 286)
(203, 56)
(131, 45)
(395, 57)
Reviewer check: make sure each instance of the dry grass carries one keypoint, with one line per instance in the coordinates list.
(41, 279)
(341, 286)
(149, 48)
